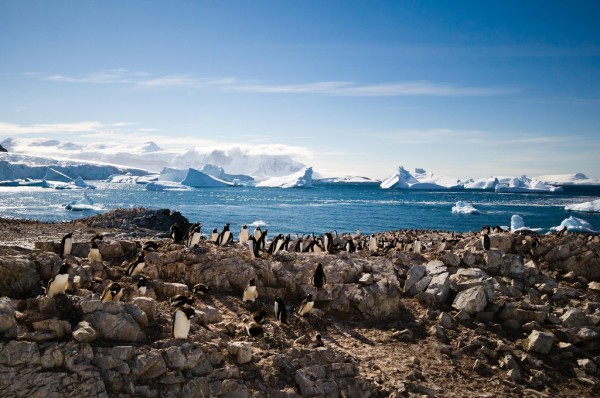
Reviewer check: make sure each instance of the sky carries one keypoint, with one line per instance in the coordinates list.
(466, 89)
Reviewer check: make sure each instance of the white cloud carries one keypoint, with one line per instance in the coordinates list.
(16, 129)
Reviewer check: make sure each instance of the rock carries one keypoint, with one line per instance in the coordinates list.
(501, 242)
(59, 328)
(573, 318)
(148, 305)
(450, 259)
(18, 277)
(439, 287)
(540, 342)
(435, 267)
(588, 366)
(492, 261)
(19, 353)
(366, 279)
(84, 333)
(512, 265)
(140, 316)
(472, 300)
(149, 365)
(241, 351)
(445, 320)
(121, 327)
(110, 251)
(167, 290)
(8, 323)
(209, 314)
(595, 286)
(415, 273)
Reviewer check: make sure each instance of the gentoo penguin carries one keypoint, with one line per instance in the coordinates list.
(486, 230)
(94, 254)
(66, 244)
(317, 343)
(214, 235)
(243, 235)
(257, 233)
(497, 229)
(306, 305)
(485, 241)
(225, 236)
(299, 245)
(350, 247)
(417, 246)
(150, 246)
(59, 282)
(113, 292)
(280, 311)
(286, 243)
(274, 244)
(259, 316)
(181, 322)
(372, 244)
(262, 241)
(201, 289)
(179, 300)
(136, 266)
(176, 233)
(252, 328)
(250, 292)
(193, 235)
(142, 286)
(328, 242)
(318, 279)
(253, 246)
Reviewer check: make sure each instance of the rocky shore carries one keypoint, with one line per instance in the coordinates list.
(449, 320)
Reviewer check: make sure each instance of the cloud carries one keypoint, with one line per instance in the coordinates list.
(16, 129)
(231, 84)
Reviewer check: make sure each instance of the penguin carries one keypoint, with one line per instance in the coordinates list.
(252, 328)
(259, 316)
(243, 237)
(94, 254)
(257, 233)
(66, 244)
(150, 246)
(280, 243)
(486, 229)
(280, 311)
(306, 305)
(176, 233)
(141, 286)
(350, 247)
(201, 289)
(485, 242)
(417, 247)
(250, 292)
(299, 245)
(274, 243)
(497, 229)
(318, 279)
(225, 236)
(214, 236)
(113, 292)
(180, 300)
(253, 246)
(136, 266)
(262, 241)
(318, 342)
(180, 327)
(193, 235)
(372, 244)
(328, 242)
(59, 282)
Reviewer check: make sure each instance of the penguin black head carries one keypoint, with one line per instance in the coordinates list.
(181, 300)
(149, 246)
(115, 288)
(142, 282)
(309, 297)
(244, 226)
(188, 311)
(252, 282)
(201, 288)
(259, 316)
(97, 237)
(94, 245)
(64, 268)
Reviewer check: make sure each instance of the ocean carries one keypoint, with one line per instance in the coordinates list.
(325, 207)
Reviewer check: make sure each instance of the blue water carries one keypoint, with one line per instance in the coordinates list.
(343, 207)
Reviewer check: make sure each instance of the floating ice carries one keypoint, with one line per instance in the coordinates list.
(585, 207)
(198, 179)
(574, 224)
(484, 183)
(300, 179)
(524, 184)
(464, 208)
(518, 224)
(166, 186)
(568, 179)
(421, 179)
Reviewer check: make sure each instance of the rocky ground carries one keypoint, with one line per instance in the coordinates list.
(520, 319)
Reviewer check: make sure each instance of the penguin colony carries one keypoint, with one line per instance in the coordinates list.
(257, 246)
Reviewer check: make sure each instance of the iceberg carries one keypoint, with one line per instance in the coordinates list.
(518, 224)
(585, 207)
(85, 204)
(464, 208)
(172, 174)
(55, 175)
(346, 179)
(421, 179)
(574, 224)
(166, 186)
(300, 179)
(524, 184)
(197, 179)
(568, 179)
(131, 179)
(484, 183)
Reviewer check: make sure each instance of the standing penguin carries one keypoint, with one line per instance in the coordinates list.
(286, 243)
(94, 255)
(274, 243)
(225, 236)
(253, 246)
(250, 292)
(113, 292)
(66, 244)
(328, 242)
(252, 328)
(179, 300)
(181, 322)
(257, 233)
(243, 235)
(318, 279)
(350, 246)
(136, 266)
(176, 233)
(306, 305)
(485, 241)
(262, 241)
(142, 286)
(280, 311)
(59, 282)
(214, 235)
(299, 245)
(193, 235)
(372, 244)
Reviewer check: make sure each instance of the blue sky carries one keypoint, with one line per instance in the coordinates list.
(469, 88)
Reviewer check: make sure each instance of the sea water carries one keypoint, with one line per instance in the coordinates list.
(324, 207)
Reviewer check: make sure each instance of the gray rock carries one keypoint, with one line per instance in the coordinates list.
(439, 287)
(8, 323)
(84, 333)
(59, 328)
(435, 267)
(574, 318)
(18, 277)
(415, 273)
(492, 261)
(149, 365)
(167, 289)
(17, 353)
(140, 316)
(120, 327)
(366, 279)
(445, 320)
(451, 259)
(472, 300)
(502, 242)
(148, 305)
(241, 351)
(209, 314)
(540, 342)
(512, 265)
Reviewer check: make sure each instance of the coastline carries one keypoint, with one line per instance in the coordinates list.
(393, 321)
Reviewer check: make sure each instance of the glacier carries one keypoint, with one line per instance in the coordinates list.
(300, 179)
(585, 207)
(421, 179)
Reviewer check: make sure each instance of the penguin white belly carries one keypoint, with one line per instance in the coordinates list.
(372, 245)
(181, 328)
(68, 246)
(138, 269)
(244, 236)
(195, 239)
(250, 294)
(142, 290)
(306, 308)
(214, 236)
(58, 285)
(95, 256)
(226, 237)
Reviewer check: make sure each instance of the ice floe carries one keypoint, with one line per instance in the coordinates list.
(574, 224)
(464, 208)
(420, 179)
(300, 179)
(585, 207)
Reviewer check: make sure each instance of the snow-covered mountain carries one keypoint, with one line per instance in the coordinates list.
(420, 179)
(259, 161)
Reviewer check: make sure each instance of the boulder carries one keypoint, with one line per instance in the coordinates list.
(512, 265)
(84, 333)
(439, 287)
(501, 242)
(472, 300)
(540, 342)
(573, 318)
(148, 305)
(121, 327)
(415, 273)
(241, 351)
(8, 323)
(59, 328)
(492, 261)
(18, 277)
